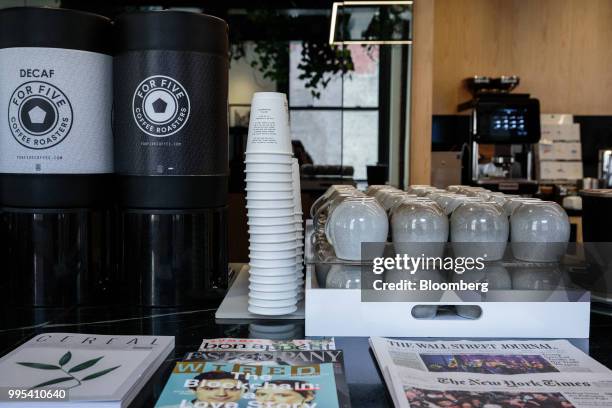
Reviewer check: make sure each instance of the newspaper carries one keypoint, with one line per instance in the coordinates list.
(232, 344)
(491, 374)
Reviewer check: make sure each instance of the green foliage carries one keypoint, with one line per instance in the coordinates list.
(65, 359)
(40, 366)
(99, 373)
(321, 62)
(84, 365)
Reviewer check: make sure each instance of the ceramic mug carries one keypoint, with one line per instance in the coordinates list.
(343, 277)
(513, 203)
(479, 229)
(540, 231)
(353, 221)
(329, 194)
(418, 228)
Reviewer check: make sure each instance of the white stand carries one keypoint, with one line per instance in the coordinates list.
(236, 302)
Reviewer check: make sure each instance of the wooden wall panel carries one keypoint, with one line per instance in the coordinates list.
(419, 163)
(561, 49)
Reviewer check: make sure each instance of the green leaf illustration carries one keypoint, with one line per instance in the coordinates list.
(99, 373)
(85, 365)
(65, 358)
(40, 366)
(51, 382)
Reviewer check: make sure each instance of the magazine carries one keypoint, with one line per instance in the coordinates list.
(499, 374)
(267, 345)
(273, 379)
(80, 370)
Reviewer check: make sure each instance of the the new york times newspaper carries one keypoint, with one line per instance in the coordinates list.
(496, 374)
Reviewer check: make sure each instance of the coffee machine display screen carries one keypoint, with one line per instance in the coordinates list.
(508, 122)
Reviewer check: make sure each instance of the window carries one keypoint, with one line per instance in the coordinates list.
(341, 126)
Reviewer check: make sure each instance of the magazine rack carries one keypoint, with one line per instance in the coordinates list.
(340, 312)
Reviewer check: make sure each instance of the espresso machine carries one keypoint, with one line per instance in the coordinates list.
(504, 129)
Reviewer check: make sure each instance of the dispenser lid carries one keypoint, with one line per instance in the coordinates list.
(171, 30)
(54, 28)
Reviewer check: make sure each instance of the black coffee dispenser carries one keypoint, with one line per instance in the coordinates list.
(56, 158)
(171, 156)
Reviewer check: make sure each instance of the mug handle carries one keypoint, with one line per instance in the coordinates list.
(315, 218)
(328, 234)
(328, 230)
(316, 202)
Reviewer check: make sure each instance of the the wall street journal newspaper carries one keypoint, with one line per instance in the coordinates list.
(491, 374)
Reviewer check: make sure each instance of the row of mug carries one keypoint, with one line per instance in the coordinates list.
(345, 217)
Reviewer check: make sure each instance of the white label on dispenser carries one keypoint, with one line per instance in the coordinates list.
(55, 111)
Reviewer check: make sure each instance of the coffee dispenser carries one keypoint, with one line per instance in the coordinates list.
(171, 156)
(504, 128)
(56, 158)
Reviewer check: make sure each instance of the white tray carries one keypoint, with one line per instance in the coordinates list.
(340, 312)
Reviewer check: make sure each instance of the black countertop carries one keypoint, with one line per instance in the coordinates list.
(190, 326)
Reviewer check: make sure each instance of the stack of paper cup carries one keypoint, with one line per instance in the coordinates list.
(299, 236)
(274, 279)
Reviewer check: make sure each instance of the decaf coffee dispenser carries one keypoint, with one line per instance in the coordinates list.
(171, 155)
(56, 156)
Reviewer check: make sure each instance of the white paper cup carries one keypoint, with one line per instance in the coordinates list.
(268, 177)
(269, 195)
(261, 221)
(255, 246)
(272, 256)
(264, 204)
(272, 263)
(269, 123)
(271, 311)
(272, 238)
(273, 288)
(273, 303)
(271, 229)
(260, 167)
(265, 222)
(255, 294)
(297, 191)
(269, 157)
(269, 186)
(276, 271)
(274, 280)
(268, 212)
(256, 187)
(262, 255)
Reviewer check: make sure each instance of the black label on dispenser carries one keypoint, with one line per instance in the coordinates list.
(170, 113)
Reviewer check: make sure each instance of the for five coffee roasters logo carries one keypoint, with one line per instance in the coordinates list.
(40, 115)
(160, 106)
